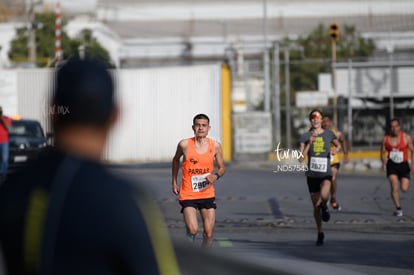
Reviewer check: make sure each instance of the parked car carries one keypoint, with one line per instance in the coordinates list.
(26, 139)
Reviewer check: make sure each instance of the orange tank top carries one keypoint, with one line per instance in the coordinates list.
(195, 168)
(397, 153)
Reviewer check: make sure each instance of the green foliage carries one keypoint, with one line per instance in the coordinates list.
(19, 46)
(312, 54)
(45, 43)
(90, 45)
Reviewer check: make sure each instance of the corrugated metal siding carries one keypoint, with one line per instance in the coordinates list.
(156, 107)
(34, 87)
(8, 95)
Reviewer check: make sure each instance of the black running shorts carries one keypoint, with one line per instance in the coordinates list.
(402, 170)
(314, 184)
(199, 204)
(336, 165)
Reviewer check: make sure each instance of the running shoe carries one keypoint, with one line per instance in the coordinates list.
(190, 237)
(325, 212)
(335, 205)
(398, 213)
(321, 237)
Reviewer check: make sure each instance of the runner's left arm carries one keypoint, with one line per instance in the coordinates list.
(221, 169)
(344, 145)
(411, 148)
(337, 145)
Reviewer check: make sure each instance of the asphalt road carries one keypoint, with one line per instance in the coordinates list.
(265, 218)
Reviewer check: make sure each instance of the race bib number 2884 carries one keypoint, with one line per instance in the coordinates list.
(199, 182)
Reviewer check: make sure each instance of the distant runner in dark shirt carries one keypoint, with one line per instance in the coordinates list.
(66, 213)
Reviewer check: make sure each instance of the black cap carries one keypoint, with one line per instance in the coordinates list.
(84, 93)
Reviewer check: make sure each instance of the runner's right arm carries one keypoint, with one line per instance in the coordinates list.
(411, 148)
(383, 155)
(176, 166)
(344, 145)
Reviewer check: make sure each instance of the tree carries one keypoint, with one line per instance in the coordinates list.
(45, 43)
(315, 56)
(311, 55)
(89, 46)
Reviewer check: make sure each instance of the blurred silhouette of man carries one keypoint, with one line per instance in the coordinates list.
(65, 213)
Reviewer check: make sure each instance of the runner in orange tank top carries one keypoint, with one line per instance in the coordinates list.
(394, 157)
(196, 191)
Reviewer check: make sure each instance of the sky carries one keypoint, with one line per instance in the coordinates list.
(204, 9)
(75, 5)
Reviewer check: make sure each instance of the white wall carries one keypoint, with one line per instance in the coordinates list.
(34, 87)
(157, 106)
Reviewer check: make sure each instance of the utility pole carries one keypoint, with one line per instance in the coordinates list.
(266, 60)
(287, 97)
(390, 50)
(58, 34)
(32, 33)
(334, 33)
(350, 127)
(276, 95)
(32, 25)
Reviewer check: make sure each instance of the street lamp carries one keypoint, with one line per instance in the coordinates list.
(390, 50)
